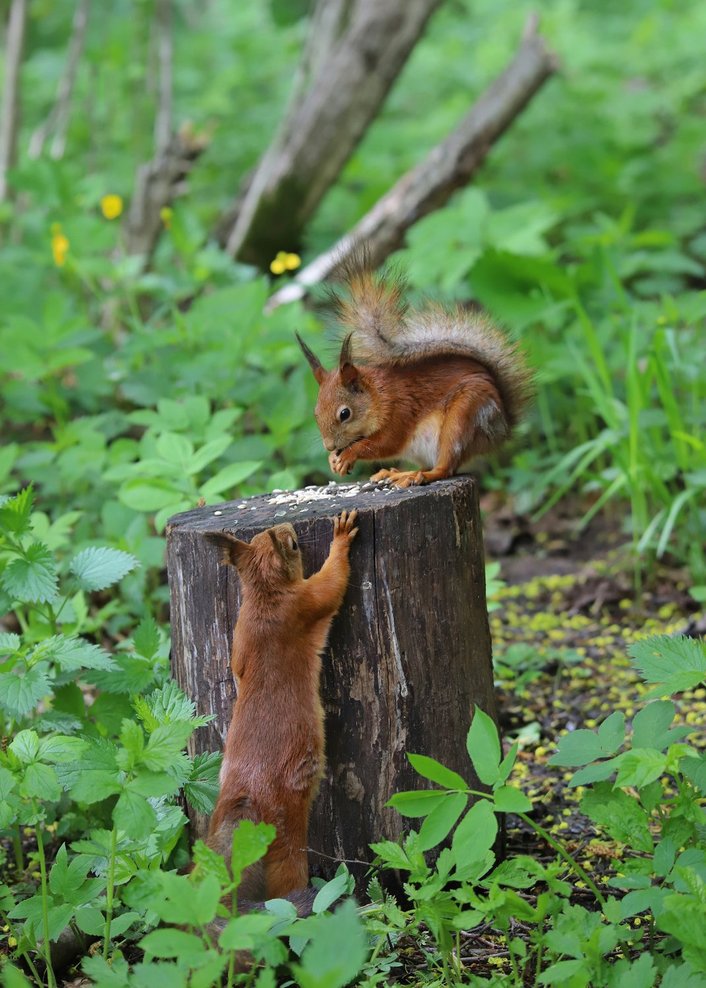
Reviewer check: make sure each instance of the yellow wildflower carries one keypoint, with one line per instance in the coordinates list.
(111, 206)
(59, 245)
(165, 214)
(12, 941)
(285, 262)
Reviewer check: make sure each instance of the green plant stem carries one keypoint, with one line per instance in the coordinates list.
(17, 848)
(31, 965)
(513, 959)
(109, 890)
(562, 852)
(46, 944)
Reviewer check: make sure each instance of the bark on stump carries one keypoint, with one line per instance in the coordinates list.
(408, 656)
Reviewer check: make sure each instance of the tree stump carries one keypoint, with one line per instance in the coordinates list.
(409, 653)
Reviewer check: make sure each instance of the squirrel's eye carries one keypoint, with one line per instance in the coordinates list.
(294, 545)
(344, 413)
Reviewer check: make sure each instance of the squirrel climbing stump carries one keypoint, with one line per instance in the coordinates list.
(408, 656)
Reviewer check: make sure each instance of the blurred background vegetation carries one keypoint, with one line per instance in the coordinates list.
(130, 391)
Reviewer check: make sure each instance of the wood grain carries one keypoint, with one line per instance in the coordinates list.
(408, 655)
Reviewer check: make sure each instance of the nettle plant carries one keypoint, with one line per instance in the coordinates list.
(644, 789)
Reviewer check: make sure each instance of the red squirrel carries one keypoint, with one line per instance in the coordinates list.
(430, 385)
(274, 749)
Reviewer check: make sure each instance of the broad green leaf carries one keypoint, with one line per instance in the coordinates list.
(246, 931)
(508, 799)
(72, 654)
(250, 843)
(640, 766)
(22, 689)
(331, 891)
(336, 952)
(596, 772)
(416, 803)
(650, 726)
(620, 815)
(475, 834)
(201, 788)
(25, 745)
(148, 495)
(61, 748)
(209, 452)
(229, 477)
(146, 637)
(483, 746)
(582, 747)
(439, 823)
(430, 768)
(675, 663)
(209, 862)
(33, 578)
(41, 782)
(99, 567)
(695, 771)
(134, 815)
(173, 943)
(9, 642)
(15, 512)
(164, 744)
(392, 854)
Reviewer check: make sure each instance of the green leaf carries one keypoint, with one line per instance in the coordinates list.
(229, 477)
(73, 654)
(146, 637)
(695, 771)
(246, 931)
(675, 663)
(582, 746)
(173, 943)
(61, 748)
(208, 452)
(331, 891)
(508, 799)
(15, 513)
(650, 727)
(201, 788)
(475, 834)
(416, 803)
(209, 862)
(337, 951)
(640, 766)
(99, 567)
(22, 689)
(134, 815)
(441, 820)
(483, 747)
(250, 843)
(164, 744)
(430, 769)
(620, 815)
(41, 782)
(25, 745)
(148, 495)
(9, 642)
(392, 854)
(176, 449)
(32, 579)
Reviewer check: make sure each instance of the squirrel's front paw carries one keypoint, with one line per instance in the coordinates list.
(342, 461)
(343, 526)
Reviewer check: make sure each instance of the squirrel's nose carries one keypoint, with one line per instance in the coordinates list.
(330, 445)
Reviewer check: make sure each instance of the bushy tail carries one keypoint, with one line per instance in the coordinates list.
(385, 331)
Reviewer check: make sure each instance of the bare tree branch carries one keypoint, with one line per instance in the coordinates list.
(365, 44)
(163, 119)
(58, 118)
(160, 180)
(10, 109)
(446, 168)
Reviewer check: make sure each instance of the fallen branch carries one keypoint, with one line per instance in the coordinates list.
(446, 168)
(58, 118)
(341, 84)
(10, 109)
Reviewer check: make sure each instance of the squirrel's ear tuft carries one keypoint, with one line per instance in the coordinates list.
(313, 360)
(347, 369)
(231, 551)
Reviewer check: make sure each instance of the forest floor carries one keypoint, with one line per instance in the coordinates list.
(561, 626)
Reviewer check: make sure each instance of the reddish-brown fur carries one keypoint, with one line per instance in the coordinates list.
(274, 749)
(434, 386)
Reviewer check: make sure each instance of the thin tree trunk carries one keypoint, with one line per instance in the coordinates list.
(365, 43)
(10, 109)
(446, 168)
(58, 118)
